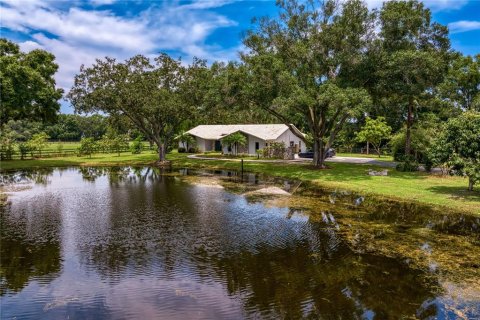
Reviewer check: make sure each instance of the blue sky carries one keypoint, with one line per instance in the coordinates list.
(78, 32)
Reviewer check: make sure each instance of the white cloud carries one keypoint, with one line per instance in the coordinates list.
(463, 26)
(102, 2)
(78, 36)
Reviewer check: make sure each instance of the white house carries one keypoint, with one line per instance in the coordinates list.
(209, 137)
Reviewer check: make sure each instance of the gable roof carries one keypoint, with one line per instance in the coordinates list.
(219, 131)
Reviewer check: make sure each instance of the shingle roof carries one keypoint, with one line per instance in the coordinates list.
(217, 132)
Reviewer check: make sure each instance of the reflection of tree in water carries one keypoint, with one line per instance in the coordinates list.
(91, 173)
(29, 249)
(117, 175)
(134, 223)
(328, 282)
(38, 176)
(157, 228)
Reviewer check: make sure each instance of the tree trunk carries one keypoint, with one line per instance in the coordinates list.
(470, 184)
(408, 136)
(162, 152)
(319, 154)
(368, 148)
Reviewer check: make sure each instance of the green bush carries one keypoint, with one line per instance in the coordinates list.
(87, 146)
(408, 164)
(275, 150)
(24, 149)
(182, 150)
(137, 145)
(192, 150)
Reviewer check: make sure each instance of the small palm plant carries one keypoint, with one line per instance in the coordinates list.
(234, 141)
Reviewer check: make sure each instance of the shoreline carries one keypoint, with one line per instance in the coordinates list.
(420, 188)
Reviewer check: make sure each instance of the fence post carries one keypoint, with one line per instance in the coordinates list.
(242, 169)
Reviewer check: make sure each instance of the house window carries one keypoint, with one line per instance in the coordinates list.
(257, 145)
(292, 143)
(300, 145)
(229, 148)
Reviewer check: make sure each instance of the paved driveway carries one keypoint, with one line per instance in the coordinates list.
(372, 161)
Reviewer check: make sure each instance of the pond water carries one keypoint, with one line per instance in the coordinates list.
(138, 243)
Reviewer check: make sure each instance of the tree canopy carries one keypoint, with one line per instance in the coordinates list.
(458, 147)
(374, 131)
(27, 84)
(300, 67)
(157, 97)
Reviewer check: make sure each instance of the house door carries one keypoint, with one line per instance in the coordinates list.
(257, 146)
(218, 145)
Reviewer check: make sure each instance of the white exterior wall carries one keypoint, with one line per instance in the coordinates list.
(288, 136)
(200, 144)
(251, 144)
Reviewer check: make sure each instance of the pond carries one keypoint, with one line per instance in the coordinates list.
(140, 243)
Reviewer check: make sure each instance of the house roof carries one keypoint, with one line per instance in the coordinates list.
(262, 131)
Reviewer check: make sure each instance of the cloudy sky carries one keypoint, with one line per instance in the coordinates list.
(77, 31)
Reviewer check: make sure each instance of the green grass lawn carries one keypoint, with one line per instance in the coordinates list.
(125, 158)
(53, 146)
(450, 192)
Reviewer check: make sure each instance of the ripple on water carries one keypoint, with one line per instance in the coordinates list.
(131, 243)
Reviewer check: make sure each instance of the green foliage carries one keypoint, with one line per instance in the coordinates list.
(275, 150)
(410, 60)
(407, 164)
(23, 129)
(38, 142)
(461, 87)
(7, 144)
(422, 134)
(182, 150)
(234, 141)
(374, 131)
(458, 147)
(27, 84)
(87, 146)
(114, 142)
(137, 145)
(156, 97)
(24, 149)
(186, 139)
(60, 148)
(288, 74)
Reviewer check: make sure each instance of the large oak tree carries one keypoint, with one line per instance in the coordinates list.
(157, 97)
(303, 66)
(27, 84)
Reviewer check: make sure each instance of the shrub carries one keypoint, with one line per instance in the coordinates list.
(60, 148)
(182, 150)
(407, 165)
(192, 150)
(275, 150)
(87, 146)
(24, 149)
(137, 145)
(7, 144)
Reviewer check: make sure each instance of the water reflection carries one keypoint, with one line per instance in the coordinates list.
(145, 243)
(30, 246)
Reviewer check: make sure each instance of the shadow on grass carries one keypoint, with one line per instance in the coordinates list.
(458, 192)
